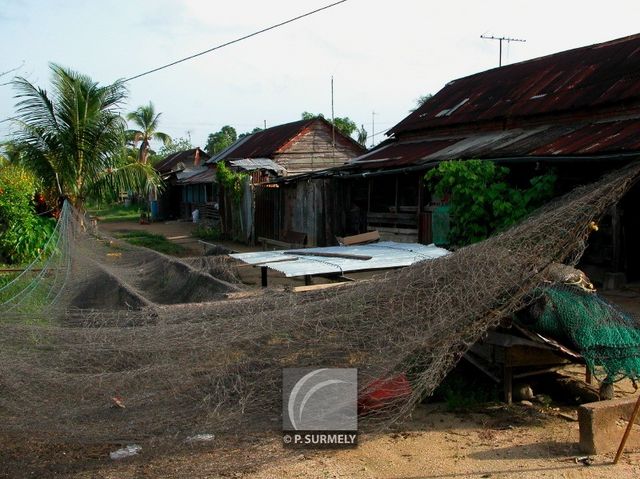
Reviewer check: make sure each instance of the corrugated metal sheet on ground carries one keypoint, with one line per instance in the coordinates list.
(386, 254)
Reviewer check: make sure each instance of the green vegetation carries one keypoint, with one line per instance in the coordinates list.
(211, 233)
(231, 181)
(23, 234)
(482, 202)
(462, 392)
(216, 142)
(115, 212)
(152, 241)
(344, 125)
(73, 137)
(146, 120)
(177, 145)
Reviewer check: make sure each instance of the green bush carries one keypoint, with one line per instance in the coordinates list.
(23, 234)
(482, 202)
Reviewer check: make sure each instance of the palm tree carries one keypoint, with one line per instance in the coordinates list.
(146, 119)
(73, 137)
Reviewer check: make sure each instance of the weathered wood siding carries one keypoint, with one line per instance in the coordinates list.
(315, 207)
(313, 150)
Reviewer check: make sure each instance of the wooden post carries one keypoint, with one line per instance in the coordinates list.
(587, 375)
(307, 279)
(263, 273)
(627, 431)
(508, 384)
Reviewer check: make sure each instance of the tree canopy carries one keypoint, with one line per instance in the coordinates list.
(73, 137)
(216, 142)
(344, 125)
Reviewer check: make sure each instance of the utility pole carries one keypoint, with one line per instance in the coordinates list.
(501, 39)
(333, 118)
(373, 126)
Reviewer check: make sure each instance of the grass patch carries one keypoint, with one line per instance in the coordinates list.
(152, 241)
(116, 212)
(211, 233)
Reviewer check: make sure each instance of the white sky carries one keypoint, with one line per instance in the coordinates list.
(382, 54)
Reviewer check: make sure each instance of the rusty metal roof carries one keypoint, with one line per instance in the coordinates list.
(198, 177)
(267, 143)
(590, 77)
(576, 140)
(187, 156)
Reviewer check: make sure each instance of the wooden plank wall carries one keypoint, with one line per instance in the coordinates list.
(313, 150)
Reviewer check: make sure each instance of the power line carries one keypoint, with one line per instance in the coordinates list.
(236, 40)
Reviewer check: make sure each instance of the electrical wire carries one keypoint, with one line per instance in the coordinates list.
(190, 57)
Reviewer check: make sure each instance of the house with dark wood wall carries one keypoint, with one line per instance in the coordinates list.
(298, 147)
(576, 111)
(189, 184)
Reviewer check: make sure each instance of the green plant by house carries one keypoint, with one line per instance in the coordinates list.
(482, 201)
(231, 181)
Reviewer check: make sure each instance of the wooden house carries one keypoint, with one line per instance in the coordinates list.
(299, 147)
(189, 184)
(576, 111)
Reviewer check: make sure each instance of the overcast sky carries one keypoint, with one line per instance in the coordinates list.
(382, 54)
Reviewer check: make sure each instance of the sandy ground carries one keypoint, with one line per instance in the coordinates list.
(496, 442)
(491, 442)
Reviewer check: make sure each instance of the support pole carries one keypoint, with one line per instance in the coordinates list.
(632, 419)
(263, 274)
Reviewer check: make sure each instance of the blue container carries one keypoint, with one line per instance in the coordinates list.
(154, 209)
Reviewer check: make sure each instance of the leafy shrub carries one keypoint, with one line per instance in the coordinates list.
(482, 202)
(231, 181)
(23, 234)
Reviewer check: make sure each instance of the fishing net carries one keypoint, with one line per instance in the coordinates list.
(104, 341)
(607, 338)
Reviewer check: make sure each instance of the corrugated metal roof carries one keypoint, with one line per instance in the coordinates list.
(265, 143)
(196, 177)
(383, 255)
(252, 164)
(186, 156)
(587, 77)
(584, 139)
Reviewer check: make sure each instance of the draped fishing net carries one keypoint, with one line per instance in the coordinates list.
(96, 324)
(607, 338)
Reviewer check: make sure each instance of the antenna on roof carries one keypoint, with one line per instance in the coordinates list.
(501, 39)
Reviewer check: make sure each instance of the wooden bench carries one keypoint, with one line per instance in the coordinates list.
(290, 239)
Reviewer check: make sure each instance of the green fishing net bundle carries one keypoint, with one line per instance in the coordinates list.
(607, 338)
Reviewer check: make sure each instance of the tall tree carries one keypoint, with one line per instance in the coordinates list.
(216, 142)
(147, 121)
(73, 137)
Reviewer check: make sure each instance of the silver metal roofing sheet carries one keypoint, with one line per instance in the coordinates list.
(385, 254)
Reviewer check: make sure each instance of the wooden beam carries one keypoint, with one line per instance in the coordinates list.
(330, 255)
(316, 287)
